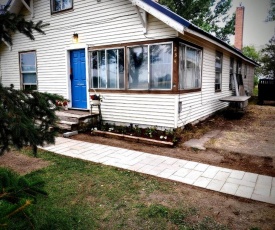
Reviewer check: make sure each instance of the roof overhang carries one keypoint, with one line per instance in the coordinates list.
(162, 14)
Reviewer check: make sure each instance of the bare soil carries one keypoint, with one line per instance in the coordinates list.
(246, 143)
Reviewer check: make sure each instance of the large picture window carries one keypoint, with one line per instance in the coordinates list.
(59, 5)
(189, 67)
(218, 71)
(150, 66)
(107, 69)
(28, 70)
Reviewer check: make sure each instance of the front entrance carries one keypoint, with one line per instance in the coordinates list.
(78, 79)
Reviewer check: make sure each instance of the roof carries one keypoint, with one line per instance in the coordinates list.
(176, 19)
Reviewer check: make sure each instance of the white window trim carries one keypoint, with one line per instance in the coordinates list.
(22, 72)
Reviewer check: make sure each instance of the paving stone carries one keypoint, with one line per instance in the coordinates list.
(262, 190)
(244, 191)
(270, 200)
(215, 185)
(241, 182)
(211, 172)
(167, 173)
(222, 176)
(264, 180)
(237, 174)
(229, 188)
(182, 172)
(145, 169)
(190, 165)
(272, 194)
(181, 179)
(193, 175)
(252, 177)
(202, 182)
(136, 166)
(201, 167)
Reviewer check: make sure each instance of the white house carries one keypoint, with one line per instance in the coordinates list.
(151, 66)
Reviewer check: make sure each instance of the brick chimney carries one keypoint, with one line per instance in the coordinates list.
(239, 22)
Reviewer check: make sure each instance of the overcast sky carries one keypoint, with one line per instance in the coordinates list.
(257, 32)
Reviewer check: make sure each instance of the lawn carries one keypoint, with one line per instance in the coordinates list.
(84, 195)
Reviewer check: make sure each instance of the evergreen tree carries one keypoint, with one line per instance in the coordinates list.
(271, 12)
(27, 118)
(206, 14)
(11, 22)
(268, 59)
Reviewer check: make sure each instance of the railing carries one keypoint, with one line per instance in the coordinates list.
(266, 90)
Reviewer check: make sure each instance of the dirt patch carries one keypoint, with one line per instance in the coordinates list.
(20, 163)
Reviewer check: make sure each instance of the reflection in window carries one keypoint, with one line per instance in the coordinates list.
(153, 70)
(218, 71)
(28, 70)
(59, 5)
(160, 66)
(189, 67)
(107, 69)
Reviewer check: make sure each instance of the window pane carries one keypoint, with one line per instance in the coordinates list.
(94, 69)
(181, 65)
(29, 78)
(28, 62)
(138, 67)
(121, 68)
(160, 66)
(59, 5)
(102, 69)
(190, 67)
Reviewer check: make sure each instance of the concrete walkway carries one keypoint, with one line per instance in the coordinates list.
(238, 183)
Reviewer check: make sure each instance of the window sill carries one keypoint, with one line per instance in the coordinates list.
(189, 90)
(62, 11)
(218, 91)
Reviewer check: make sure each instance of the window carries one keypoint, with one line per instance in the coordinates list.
(59, 5)
(231, 72)
(150, 66)
(107, 69)
(218, 71)
(189, 67)
(28, 70)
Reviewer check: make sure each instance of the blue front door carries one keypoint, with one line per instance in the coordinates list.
(78, 79)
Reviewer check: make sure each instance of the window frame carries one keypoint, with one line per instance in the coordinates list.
(149, 88)
(62, 10)
(23, 72)
(218, 89)
(106, 68)
(180, 78)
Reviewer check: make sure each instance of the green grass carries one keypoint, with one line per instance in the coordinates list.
(83, 195)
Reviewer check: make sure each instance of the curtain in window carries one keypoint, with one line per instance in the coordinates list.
(189, 67)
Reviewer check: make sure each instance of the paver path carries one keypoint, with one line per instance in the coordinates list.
(238, 183)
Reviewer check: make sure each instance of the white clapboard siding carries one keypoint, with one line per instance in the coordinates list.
(205, 102)
(141, 109)
(97, 23)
